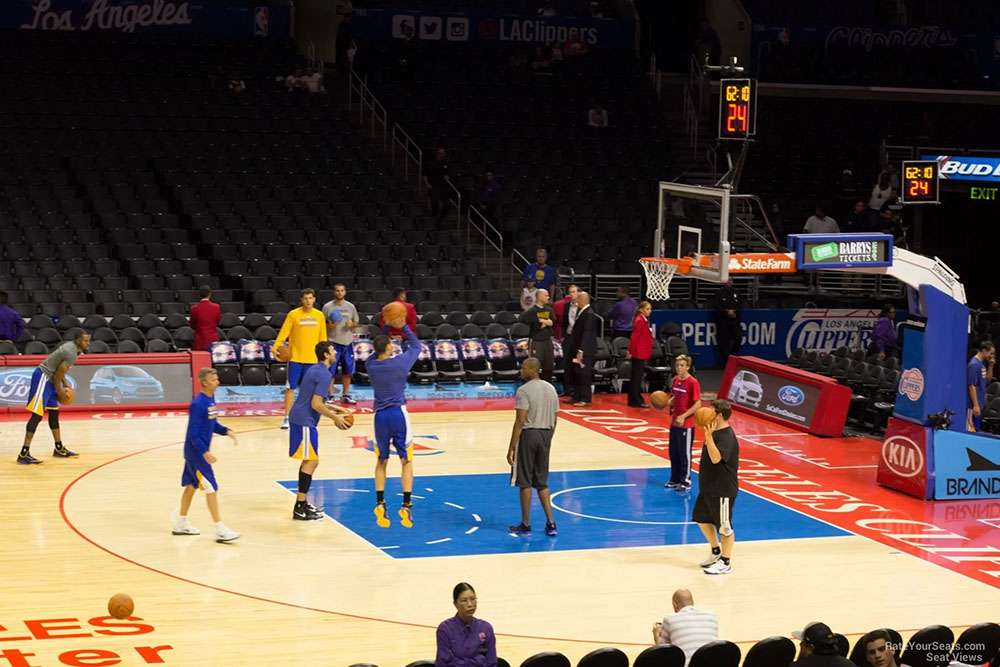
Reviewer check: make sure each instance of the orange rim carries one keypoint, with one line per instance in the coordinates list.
(683, 264)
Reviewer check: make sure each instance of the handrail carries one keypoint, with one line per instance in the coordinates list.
(485, 229)
(411, 150)
(457, 202)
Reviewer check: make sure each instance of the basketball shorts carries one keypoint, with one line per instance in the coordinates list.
(42, 394)
(296, 371)
(200, 475)
(345, 360)
(392, 429)
(716, 510)
(303, 442)
(531, 463)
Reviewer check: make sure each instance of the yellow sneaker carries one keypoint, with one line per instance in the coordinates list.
(406, 516)
(381, 516)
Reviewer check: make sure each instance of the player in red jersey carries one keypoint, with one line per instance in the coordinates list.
(685, 399)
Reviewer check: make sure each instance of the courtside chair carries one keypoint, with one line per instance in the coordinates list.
(716, 654)
(932, 635)
(547, 659)
(978, 644)
(604, 657)
(663, 656)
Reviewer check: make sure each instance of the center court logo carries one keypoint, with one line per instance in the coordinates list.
(903, 456)
(791, 395)
(368, 444)
(911, 384)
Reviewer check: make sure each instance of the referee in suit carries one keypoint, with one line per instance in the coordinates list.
(584, 343)
(539, 319)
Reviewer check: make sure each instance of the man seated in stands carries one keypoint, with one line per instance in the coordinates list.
(818, 647)
(293, 80)
(688, 628)
(879, 651)
(821, 223)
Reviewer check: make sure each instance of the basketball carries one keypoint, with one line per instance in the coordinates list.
(121, 606)
(394, 314)
(704, 416)
(67, 396)
(281, 354)
(659, 399)
(348, 420)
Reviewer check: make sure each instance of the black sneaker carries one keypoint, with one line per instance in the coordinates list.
(27, 460)
(304, 512)
(63, 453)
(550, 530)
(519, 529)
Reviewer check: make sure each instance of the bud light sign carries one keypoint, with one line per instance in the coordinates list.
(774, 334)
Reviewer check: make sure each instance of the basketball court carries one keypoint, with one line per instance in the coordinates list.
(816, 538)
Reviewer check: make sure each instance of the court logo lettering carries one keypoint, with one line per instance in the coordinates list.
(419, 449)
(903, 456)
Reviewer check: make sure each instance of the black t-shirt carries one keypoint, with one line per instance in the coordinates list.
(531, 317)
(435, 170)
(719, 479)
(823, 661)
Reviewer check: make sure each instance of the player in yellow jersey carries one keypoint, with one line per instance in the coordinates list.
(303, 328)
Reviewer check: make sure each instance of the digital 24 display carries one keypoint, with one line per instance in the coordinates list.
(920, 182)
(737, 108)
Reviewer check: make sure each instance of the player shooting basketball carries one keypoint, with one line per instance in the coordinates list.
(392, 424)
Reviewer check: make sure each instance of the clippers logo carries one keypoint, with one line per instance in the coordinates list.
(903, 456)
(827, 329)
(261, 21)
(911, 384)
(791, 395)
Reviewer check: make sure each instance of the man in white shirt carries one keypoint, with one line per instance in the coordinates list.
(821, 223)
(688, 628)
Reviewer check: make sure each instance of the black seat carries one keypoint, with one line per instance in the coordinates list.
(932, 635)
(121, 321)
(133, 334)
(67, 322)
(547, 659)
(662, 656)
(106, 335)
(147, 321)
(265, 332)
(604, 657)
(154, 345)
(977, 644)
(50, 337)
(128, 347)
(716, 654)
(184, 338)
(36, 347)
(237, 333)
(254, 374)
(433, 319)
(771, 652)
(446, 331)
(98, 347)
(7, 347)
(421, 663)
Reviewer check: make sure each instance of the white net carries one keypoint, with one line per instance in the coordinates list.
(658, 277)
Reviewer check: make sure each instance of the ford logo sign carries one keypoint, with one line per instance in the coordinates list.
(15, 383)
(791, 395)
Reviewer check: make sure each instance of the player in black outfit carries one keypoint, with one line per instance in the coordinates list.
(539, 319)
(717, 489)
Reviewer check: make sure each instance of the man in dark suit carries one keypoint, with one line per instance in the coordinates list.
(584, 341)
(565, 311)
(205, 320)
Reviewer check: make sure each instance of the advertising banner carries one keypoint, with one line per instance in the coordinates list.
(841, 251)
(486, 28)
(163, 16)
(903, 464)
(113, 384)
(910, 395)
(773, 334)
(967, 465)
(967, 167)
(778, 396)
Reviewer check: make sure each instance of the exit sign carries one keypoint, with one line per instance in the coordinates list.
(983, 194)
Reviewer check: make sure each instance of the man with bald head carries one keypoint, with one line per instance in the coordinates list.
(536, 404)
(540, 319)
(688, 628)
(584, 344)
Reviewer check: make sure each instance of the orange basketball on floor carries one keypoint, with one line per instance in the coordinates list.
(394, 314)
(704, 416)
(281, 354)
(67, 396)
(121, 606)
(659, 399)
(348, 420)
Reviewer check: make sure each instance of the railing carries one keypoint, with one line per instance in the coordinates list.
(691, 118)
(519, 263)
(410, 152)
(606, 285)
(491, 235)
(457, 203)
(360, 95)
(655, 77)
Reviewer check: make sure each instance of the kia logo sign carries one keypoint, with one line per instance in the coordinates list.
(903, 456)
(791, 395)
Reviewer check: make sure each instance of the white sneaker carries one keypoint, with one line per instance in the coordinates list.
(284, 424)
(710, 561)
(183, 527)
(719, 567)
(225, 534)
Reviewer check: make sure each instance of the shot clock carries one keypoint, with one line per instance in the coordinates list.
(920, 182)
(737, 108)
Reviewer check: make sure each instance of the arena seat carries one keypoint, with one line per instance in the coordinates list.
(667, 656)
(719, 653)
(770, 652)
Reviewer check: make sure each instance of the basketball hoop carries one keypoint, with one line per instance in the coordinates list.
(659, 272)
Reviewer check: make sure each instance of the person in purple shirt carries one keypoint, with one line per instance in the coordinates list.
(622, 314)
(464, 640)
(884, 334)
(11, 324)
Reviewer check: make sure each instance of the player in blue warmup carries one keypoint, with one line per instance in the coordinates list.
(387, 375)
(198, 460)
(303, 418)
